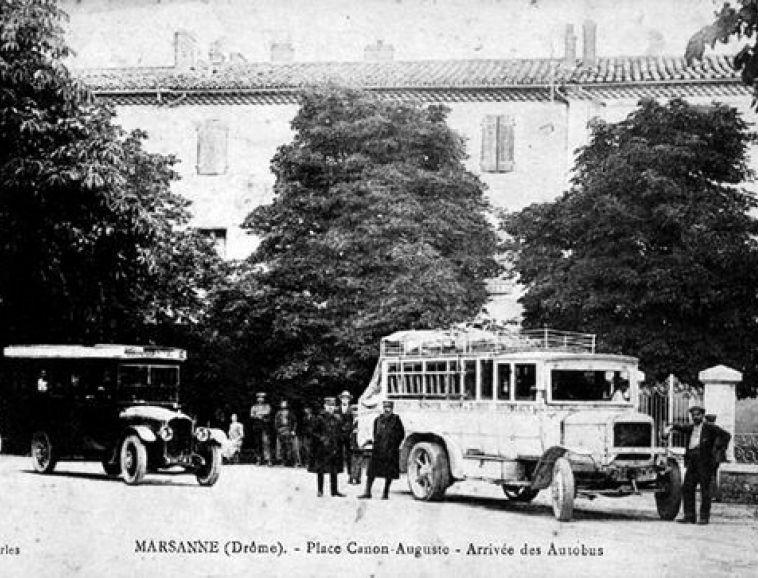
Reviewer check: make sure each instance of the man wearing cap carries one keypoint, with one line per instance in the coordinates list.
(260, 420)
(385, 452)
(346, 415)
(326, 449)
(706, 444)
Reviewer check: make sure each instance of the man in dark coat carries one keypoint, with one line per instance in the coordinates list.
(326, 449)
(346, 415)
(385, 452)
(706, 445)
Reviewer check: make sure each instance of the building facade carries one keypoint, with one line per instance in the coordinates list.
(522, 119)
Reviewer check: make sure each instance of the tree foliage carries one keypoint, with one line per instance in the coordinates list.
(653, 247)
(375, 226)
(91, 239)
(732, 22)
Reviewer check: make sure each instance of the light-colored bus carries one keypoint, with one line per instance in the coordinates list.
(527, 411)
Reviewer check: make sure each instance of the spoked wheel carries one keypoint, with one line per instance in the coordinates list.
(668, 494)
(133, 460)
(208, 473)
(520, 493)
(43, 453)
(428, 471)
(563, 490)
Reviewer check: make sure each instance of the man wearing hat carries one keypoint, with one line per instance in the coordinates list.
(346, 415)
(260, 421)
(706, 445)
(385, 452)
(326, 449)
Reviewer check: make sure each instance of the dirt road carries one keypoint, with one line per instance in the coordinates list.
(261, 521)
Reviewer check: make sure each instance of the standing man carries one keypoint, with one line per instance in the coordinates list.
(346, 415)
(326, 455)
(356, 452)
(306, 435)
(260, 418)
(385, 455)
(285, 425)
(236, 436)
(706, 444)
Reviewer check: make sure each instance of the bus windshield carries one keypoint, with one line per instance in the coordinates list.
(148, 382)
(589, 385)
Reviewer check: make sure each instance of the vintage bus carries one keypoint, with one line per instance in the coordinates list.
(116, 404)
(527, 411)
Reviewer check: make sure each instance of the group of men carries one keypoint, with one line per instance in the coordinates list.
(325, 442)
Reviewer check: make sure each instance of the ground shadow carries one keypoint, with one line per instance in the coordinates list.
(544, 510)
(150, 479)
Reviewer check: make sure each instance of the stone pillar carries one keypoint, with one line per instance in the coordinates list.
(720, 398)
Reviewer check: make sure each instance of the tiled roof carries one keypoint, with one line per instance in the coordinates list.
(521, 75)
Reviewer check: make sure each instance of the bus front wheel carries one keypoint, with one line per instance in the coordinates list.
(563, 490)
(428, 471)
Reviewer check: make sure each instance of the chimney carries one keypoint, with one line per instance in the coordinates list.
(379, 51)
(282, 52)
(569, 57)
(185, 50)
(589, 32)
(216, 54)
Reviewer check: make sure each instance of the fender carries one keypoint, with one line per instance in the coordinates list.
(143, 432)
(543, 472)
(217, 436)
(454, 453)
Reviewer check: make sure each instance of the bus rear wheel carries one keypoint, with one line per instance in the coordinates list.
(428, 471)
(43, 453)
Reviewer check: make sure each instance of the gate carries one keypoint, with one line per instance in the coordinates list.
(667, 403)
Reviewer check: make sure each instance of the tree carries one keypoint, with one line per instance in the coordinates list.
(92, 240)
(376, 226)
(653, 247)
(729, 23)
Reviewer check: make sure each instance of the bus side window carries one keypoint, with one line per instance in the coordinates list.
(504, 381)
(486, 373)
(526, 382)
(469, 380)
(392, 384)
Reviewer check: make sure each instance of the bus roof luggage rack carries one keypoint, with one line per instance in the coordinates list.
(473, 340)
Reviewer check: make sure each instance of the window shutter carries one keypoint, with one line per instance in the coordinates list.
(212, 146)
(505, 144)
(489, 144)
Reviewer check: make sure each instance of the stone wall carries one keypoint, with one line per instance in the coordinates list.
(738, 483)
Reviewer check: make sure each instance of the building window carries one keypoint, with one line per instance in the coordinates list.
(212, 148)
(217, 237)
(497, 144)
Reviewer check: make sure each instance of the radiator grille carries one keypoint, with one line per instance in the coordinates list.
(632, 435)
(181, 443)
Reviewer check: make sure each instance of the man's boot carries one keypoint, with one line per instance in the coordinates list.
(366, 495)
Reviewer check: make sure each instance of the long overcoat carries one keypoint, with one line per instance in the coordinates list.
(326, 449)
(385, 453)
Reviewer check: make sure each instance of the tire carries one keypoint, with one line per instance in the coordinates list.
(133, 460)
(208, 473)
(43, 453)
(668, 495)
(428, 471)
(520, 493)
(563, 490)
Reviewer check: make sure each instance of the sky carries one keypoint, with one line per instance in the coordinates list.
(107, 33)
